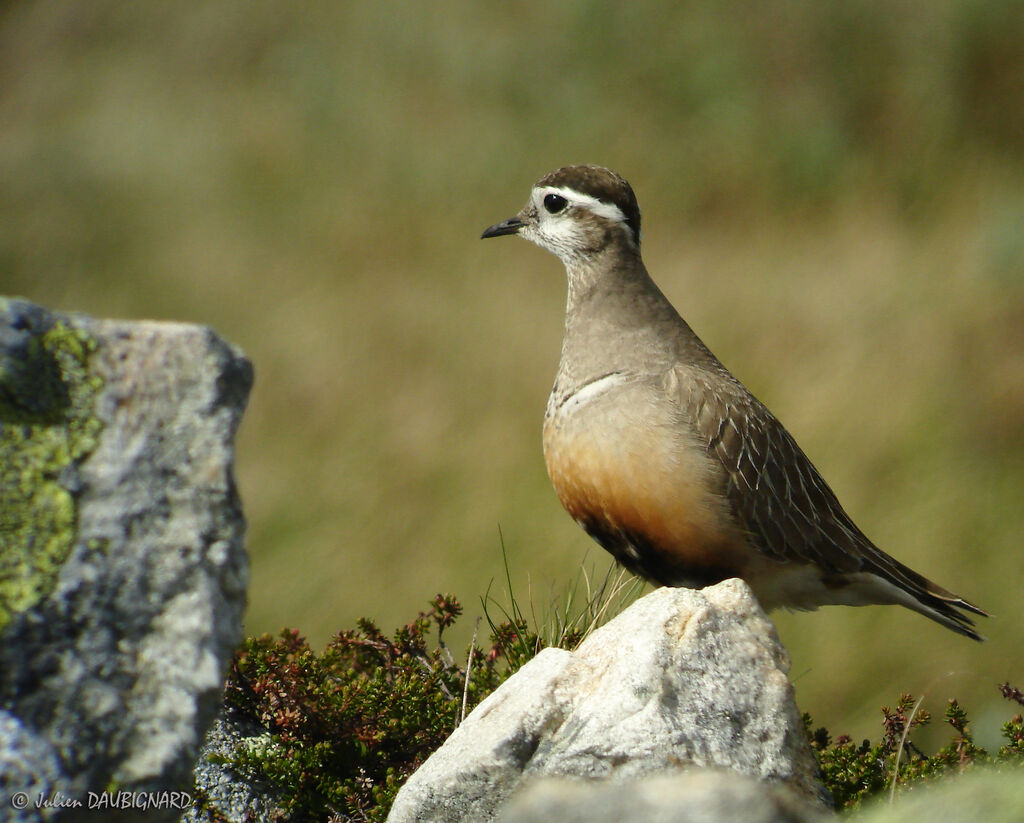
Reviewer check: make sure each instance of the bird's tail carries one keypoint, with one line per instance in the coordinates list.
(917, 592)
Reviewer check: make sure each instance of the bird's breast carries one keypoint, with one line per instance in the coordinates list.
(628, 467)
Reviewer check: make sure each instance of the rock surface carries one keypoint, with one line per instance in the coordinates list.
(237, 798)
(697, 796)
(123, 566)
(682, 678)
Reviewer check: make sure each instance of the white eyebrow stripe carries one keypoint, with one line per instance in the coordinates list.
(598, 207)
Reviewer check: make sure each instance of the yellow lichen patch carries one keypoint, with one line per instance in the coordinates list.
(47, 427)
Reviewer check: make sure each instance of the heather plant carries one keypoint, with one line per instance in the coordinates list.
(853, 773)
(346, 726)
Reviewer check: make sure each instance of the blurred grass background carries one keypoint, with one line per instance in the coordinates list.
(833, 195)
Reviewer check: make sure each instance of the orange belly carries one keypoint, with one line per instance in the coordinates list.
(647, 496)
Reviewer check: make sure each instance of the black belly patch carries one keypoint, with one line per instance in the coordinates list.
(645, 558)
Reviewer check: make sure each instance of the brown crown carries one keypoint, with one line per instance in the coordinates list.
(602, 183)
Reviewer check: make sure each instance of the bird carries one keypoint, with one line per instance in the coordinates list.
(663, 456)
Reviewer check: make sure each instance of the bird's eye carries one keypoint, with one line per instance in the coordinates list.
(554, 203)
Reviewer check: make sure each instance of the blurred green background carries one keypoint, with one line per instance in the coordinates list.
(833, 195)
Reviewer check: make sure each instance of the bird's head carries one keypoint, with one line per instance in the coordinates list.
(576, 213)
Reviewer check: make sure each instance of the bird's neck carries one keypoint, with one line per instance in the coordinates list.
(602, 273)
(617, 319)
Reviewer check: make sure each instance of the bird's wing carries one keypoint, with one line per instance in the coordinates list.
(772, 487)
(778, 496)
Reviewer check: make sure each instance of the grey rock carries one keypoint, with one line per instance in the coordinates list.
(236, 797)
(124, 566)
(681, 679)
(696, 796)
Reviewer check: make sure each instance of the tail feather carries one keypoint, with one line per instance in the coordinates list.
(945, 613)
(928, 598)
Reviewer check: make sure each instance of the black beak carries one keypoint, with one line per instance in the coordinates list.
(510, 226)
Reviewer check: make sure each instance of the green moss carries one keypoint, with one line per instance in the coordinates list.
(47, 427)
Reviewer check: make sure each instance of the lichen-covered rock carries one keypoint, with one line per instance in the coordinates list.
(232, 797)
(682, 678)
(122, 570)
(48, 426)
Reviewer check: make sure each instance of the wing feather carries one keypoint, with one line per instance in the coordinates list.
(773, 489)
(781, 500)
